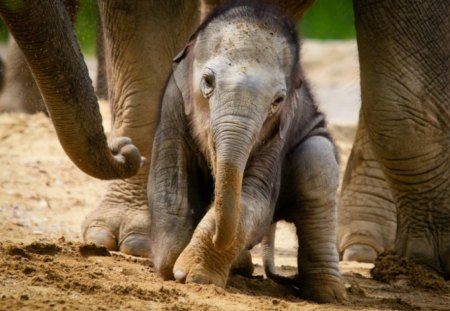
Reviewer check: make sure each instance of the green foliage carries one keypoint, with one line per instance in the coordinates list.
(86, 25)
(3, 32)
(329, 19)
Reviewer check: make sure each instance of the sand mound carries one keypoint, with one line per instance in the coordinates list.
(393, 269)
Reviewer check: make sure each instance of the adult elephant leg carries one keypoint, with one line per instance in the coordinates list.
(20, 92)
(366, 211)
(404, 50)
(207, 6)
(101, 87)
(141, 38)
(293, 8)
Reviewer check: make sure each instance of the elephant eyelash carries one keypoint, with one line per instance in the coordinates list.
(278, 100)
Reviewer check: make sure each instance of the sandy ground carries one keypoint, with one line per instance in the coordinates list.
(44, 198)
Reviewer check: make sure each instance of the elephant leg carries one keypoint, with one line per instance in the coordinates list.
(141, 38)
(201, 261)
(309, 201)
(366, 211)
(180, 186)
(101, 86)
(20, 92)
(207, 6)
(293, 8)
(405, 88)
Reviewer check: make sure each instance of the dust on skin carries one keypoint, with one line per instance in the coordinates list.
(44, 198)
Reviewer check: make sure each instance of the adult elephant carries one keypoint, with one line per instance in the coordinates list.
(404, 55)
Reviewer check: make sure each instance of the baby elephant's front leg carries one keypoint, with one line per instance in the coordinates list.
(201, 262)
(313, 180)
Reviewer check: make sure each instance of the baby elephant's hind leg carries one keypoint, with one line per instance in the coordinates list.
(310, 189)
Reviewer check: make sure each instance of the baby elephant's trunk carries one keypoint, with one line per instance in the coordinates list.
(227, 204)
(234, 136)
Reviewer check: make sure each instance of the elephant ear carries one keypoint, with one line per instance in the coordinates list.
(286, 118)
(182, 74)
(289, 109)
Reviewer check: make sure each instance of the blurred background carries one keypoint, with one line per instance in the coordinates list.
(326, 20)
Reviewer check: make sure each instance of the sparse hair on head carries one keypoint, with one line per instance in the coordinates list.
(257, 10)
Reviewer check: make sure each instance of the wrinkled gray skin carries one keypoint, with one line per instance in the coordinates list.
(398, 170)
(235, 108)
(20, 93)
(137, 65)
(149, 34)
(140, 38)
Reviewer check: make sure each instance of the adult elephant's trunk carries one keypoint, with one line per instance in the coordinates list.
(44, 33)
(233, 136)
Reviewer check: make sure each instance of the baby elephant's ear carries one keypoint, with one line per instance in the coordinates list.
(285, 124)
(182, 74)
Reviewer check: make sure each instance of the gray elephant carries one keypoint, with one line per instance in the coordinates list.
(398, 170)
(240, 144)
(402, 73)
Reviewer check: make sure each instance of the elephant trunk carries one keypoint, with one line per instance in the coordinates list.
(227, 203)
(234, 136)
(44, 33)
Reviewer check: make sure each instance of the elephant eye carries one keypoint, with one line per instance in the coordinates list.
(208, 83)
(279, 98)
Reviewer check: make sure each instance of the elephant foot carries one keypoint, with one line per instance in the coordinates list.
(323, 289)
(359, 252)
(202, 263)
(119, 227)
(423, 249)
(193, 267)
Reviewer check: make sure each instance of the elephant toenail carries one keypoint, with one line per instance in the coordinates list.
(100, 237)
(360, 252)
(180, 275)
(136, 245)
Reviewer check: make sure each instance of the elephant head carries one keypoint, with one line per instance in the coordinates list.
(236, 82)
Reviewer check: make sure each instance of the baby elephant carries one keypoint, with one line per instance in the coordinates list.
(241, 145)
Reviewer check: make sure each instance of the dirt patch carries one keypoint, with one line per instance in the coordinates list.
(87, 250)
(393, 269)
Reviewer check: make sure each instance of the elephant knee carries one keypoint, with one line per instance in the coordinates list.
(316, 169)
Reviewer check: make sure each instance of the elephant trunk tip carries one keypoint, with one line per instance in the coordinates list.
(127, 157)
(121, 159)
